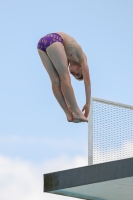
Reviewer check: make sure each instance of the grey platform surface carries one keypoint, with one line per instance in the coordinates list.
(105, 181)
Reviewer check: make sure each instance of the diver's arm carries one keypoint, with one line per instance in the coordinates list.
(87, 83)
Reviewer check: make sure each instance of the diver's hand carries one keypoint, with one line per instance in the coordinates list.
(86, 110)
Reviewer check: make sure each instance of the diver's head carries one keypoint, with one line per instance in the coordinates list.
(76, 70)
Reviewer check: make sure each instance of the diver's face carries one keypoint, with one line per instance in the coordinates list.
(75, 69)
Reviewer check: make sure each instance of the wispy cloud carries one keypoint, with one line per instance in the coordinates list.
(24, 181)
(38, 140)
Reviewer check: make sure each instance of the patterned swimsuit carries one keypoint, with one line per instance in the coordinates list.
(47, 40)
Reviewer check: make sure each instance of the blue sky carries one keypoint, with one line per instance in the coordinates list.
(33, 128)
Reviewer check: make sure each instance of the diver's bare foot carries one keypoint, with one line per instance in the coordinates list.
(79, 117)
(69, 116)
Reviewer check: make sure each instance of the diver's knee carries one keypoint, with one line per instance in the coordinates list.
(56, 82)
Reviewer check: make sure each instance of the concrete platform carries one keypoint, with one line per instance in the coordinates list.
(106, 181)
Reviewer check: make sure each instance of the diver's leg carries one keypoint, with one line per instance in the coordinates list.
(56, 86)
(57, 55)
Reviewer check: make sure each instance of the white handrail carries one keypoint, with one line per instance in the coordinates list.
(112, 103)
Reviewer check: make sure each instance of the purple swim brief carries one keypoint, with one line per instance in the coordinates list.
(47, 40)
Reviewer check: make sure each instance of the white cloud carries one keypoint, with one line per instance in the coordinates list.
(24, 181)
(38, 140)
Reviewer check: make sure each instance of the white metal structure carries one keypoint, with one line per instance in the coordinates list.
(110, 132)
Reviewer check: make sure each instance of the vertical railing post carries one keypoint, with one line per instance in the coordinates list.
(90, 134)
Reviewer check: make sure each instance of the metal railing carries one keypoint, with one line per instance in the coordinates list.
(110, 131)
